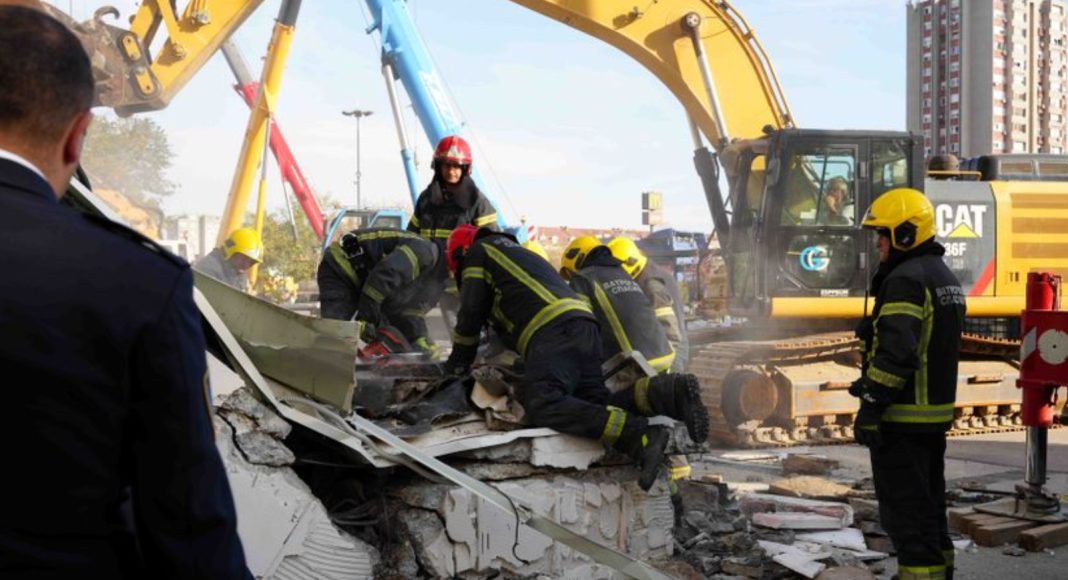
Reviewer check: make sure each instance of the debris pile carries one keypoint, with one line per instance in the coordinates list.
(803, 526)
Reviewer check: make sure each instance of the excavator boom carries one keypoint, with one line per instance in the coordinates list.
(662, 38)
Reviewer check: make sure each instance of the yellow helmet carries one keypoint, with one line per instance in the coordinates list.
(906, 214)
(245, 241)
(537, 248)
(575, 254)
(626, 251)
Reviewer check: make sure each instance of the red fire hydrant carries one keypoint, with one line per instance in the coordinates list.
(1043, 369)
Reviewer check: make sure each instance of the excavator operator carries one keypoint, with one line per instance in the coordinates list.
(628, 323)
(908, 386)
(387, 279)
(540, 317)
(661, 288)
(230, 263)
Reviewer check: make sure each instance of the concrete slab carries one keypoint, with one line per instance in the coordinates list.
(285, 530)
(458, 534)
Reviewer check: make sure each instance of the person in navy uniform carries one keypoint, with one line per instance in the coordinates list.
(105, 428)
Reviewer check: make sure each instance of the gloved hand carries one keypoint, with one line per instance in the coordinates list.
(368, 332)
(867, 424)
(857, 388)
(865, 329)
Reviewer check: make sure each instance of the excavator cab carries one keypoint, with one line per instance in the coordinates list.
(797, 199)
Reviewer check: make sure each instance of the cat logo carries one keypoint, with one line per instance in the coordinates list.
(962, 221)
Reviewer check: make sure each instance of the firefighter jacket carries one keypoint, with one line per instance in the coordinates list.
(440, 208)
(912, 339)
(514, 289)
(374, 268)
(628, 321)
(663, 291)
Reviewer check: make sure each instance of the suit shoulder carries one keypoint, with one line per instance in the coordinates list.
(136, 239)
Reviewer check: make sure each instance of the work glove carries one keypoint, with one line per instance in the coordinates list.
(867, 424)
(368, 332)
(857, 388)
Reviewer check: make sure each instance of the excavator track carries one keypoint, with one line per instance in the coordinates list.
(745, 386)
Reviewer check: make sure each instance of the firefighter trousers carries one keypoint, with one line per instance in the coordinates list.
(909, 474)
(563, 388)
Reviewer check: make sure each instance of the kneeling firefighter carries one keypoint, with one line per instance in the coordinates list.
(388, 280)
(536, 314)
(907, 389)
(628, 324)
(662, 289)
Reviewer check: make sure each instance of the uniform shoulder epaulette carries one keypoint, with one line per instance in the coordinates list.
(136, 237)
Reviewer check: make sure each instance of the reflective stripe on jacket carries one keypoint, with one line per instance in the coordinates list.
(912, 349)
(439, 211)
(662, 289)
(512, 288)
(628, 321)
(368, 268)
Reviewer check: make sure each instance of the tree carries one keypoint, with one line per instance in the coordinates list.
(283, 256)
(131, 156)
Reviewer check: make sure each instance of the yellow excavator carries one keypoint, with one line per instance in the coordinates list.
(798, 264)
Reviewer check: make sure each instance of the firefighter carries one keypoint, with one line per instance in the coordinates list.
(908, 385)
(385, 278)
(230, 263)
(106, 424)
(628, 323)
(451, 199)
(662, 290)
(537, 315)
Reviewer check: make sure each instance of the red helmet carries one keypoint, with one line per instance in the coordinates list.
(460, 239)
(453, 149)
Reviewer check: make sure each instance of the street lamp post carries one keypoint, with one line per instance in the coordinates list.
(359, 114)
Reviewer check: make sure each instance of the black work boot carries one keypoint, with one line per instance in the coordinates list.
(646, 445)
(678, 395)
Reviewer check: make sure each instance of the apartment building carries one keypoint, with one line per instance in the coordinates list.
(987, 76)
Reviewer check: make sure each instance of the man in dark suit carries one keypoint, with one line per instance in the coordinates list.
(105, 426)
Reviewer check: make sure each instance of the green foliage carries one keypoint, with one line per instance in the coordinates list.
(297, 258)
(131, 156)
(285, 257)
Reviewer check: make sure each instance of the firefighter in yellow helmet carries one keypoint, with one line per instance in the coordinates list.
(230, 263)
(663, 291)
(629, 324)
(908, 382)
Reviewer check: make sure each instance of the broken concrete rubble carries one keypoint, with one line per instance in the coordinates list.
(460, 534)
(810, 487)
(806, 464)
(285, 530)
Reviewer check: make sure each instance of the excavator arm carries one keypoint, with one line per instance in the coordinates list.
(130, 78)
(737, 96)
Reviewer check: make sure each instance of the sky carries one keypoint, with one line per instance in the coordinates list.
(567, 130)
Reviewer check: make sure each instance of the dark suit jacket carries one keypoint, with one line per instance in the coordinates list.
(105, 408)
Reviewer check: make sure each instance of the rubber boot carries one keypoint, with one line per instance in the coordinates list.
(676, 395)
(645, 444)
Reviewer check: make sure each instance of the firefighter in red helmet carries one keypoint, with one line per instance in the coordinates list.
(535, 313)
(451, 199)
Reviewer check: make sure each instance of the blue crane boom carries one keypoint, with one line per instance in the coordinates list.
(406, 58)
